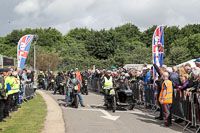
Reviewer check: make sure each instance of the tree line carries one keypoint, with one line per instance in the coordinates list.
(125, 44)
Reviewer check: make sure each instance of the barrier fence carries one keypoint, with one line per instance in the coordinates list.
(186, 105)
(28, 91)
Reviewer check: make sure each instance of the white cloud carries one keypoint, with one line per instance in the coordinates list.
(27, 7)
(97, 14)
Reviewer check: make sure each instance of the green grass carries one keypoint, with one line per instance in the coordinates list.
(29, 119)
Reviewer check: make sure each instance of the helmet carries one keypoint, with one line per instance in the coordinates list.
(109, 71)
(73, 73)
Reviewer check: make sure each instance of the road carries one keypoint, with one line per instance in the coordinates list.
(94, 118)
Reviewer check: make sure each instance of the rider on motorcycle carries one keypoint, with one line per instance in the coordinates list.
(84, 82)
(51, 81)
(41, 80)
(59, 80)
(123, 85)
(73, 81)
(108, 83)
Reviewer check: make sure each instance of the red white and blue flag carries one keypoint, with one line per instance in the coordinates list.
(158, 50)
(23, 47)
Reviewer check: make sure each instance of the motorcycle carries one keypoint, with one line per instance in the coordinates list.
(84, 90)
(52, 85)
(74, 96)
(111, 99)
(62, 88)
(126, 97)
(41, 83)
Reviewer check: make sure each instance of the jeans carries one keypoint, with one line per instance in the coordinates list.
(68, 96)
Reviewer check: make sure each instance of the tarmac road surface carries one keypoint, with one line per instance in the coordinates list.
(95, 118)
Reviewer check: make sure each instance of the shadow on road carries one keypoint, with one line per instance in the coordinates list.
(151, 120)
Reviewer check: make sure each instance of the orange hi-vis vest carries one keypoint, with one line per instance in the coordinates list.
(169, 95)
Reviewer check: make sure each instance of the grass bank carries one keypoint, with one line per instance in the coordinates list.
(29, 119)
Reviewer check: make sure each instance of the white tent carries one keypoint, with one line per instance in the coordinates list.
(192, 63)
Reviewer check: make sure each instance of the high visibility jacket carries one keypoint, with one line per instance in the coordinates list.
(108, 83)
(9, 82)
(169, 95)
(16, 86)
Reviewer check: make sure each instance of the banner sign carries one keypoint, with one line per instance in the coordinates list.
(23, 49)
(158, 50)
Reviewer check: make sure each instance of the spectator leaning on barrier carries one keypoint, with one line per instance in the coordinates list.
(184, 82)
(196, 83)
(197, 62)
(165, 98)
(145, 78)
(174, 77)
(189, 71)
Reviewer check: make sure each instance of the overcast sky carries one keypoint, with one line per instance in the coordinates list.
(97, 14)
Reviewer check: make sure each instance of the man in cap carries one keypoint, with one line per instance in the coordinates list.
(197, 62)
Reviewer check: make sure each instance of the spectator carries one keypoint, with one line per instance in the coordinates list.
(174, 77)
(197, 62)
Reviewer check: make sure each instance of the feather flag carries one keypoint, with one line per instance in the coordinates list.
(23, 47)
(157, 51)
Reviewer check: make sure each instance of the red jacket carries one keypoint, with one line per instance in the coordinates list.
(78, 75)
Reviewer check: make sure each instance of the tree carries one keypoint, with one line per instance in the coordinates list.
(177, 55)
(147, 36)
(141, 55)
(170, 35)
(101, 44)
(46, 61)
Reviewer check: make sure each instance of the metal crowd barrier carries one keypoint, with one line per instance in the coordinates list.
(186, 106)
(142, 96)
(28, 91)
(197, 110)
(95, 84)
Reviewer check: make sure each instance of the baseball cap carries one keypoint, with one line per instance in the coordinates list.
(197, 60)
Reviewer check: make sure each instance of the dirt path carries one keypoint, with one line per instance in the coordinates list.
(54, 122)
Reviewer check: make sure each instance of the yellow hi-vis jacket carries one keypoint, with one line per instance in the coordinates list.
(16, 86)
(108, 83)
(169, 95)
(9, 80)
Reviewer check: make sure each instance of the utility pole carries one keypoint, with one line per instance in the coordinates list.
(35, 40)
(35, 70)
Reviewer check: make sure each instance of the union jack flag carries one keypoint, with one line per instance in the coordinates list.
(23, 47)
(157, 51)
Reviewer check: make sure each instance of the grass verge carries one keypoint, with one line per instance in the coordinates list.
(29, 119)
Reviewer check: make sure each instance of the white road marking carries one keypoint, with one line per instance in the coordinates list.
(109, 116)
